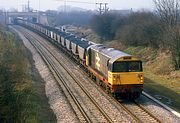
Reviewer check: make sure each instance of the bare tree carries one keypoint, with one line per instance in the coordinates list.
(169, 12)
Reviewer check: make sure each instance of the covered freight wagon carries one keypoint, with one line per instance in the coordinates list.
(68, 41)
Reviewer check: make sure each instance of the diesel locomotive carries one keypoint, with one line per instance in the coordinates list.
(119, 73)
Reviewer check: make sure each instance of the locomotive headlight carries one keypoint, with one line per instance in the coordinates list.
(114, 78)
(140, 77)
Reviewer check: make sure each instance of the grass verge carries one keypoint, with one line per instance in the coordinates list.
(165, 89)
(22, 94)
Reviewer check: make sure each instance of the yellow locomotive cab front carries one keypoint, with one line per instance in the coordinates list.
(126, 72)
(125, 78)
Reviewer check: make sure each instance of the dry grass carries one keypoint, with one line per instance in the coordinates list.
(20, 100)
(163, 86)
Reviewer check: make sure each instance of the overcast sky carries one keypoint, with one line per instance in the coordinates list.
(53, 4)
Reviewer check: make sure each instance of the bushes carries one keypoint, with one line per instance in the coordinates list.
(102, 25)
(15, 83)
(19, 101)
(136, 29)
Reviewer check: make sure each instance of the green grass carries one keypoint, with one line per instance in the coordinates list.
(22, 96)
(167, 88)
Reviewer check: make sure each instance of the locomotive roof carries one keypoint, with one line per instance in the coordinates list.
(109, 52)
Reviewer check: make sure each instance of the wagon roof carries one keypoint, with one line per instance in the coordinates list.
(79, 42)
(51, 29)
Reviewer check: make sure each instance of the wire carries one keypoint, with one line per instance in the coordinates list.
(76, 1)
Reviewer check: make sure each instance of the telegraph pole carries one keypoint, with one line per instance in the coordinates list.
(106, 8)
(102, 8)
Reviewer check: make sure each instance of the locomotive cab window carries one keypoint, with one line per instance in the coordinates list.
(127, 66)
(135, 66)
(119, 67)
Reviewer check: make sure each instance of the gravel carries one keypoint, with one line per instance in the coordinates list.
(57, 100)
(162, 114)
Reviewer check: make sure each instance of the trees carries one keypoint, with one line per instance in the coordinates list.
(169, 13)
(140, 29)
(102, 25)
(136, 29)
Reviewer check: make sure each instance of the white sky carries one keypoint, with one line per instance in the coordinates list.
(53, 4)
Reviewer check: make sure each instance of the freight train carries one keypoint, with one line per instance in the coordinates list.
(119, 73)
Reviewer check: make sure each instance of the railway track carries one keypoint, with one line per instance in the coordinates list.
(137, 111)
(53, 68)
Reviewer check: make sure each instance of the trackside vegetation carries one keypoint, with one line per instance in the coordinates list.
(22, 97)
(139, 29)
(160, 29)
